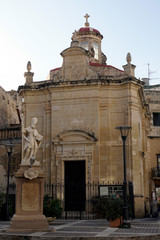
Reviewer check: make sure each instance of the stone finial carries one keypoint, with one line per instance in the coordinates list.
(86, 23)
(29, 66)
(129, 68)
(74, 36)
(74, 43)
(29, 75)
(128, 58)
(104, 58)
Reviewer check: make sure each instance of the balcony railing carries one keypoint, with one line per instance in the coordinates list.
(10, 133)
(156, 172)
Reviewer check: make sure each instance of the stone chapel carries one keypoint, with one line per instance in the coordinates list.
(78, 109)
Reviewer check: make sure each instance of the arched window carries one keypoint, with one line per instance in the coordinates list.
(84, 44)
(96, 48)
(95, 45)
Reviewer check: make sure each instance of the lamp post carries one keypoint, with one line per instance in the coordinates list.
(124, 134)
(9, 152)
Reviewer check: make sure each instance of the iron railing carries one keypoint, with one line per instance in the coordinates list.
(89, 201)
(80, 205)
(155, 172)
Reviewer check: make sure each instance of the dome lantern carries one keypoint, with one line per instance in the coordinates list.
(90, 39)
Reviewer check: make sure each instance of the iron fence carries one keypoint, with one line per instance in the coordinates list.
(88, 206)
(77, 204)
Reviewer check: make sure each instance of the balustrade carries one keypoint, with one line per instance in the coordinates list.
(10, 133)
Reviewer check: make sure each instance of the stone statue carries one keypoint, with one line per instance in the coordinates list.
(32, 141)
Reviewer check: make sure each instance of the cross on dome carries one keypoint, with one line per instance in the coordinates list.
(86, 23)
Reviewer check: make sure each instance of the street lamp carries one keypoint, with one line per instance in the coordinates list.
(9, 148)
(124, 133)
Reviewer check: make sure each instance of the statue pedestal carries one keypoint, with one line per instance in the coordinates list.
(29, 201)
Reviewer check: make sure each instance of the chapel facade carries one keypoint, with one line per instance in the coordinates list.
(78, 109)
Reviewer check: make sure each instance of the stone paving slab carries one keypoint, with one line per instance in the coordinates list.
(142, 229)
(82, 229)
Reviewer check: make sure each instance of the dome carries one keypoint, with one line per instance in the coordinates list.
(88, 29)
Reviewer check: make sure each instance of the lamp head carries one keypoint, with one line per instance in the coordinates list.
(124, 131)
(9, 148)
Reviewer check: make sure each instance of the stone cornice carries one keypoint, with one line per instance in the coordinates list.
(152, 137)
(108, 80)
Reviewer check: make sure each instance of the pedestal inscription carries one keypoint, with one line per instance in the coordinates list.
(30, 196)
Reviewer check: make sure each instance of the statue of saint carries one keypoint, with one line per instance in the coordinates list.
(32, 141)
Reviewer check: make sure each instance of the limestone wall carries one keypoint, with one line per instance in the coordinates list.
(65, 112)
(152, 97)
(8, 108)
(10, 101)
(106, 70)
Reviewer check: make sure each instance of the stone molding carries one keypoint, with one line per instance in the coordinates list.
(74, 145)
(87, 136)
(108, 80)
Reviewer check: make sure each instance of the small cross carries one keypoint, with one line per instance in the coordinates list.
(86, 16)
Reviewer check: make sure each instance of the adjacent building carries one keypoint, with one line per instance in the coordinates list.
(152, 97)
(10, 135)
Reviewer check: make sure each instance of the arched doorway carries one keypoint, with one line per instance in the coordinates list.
(73, 157)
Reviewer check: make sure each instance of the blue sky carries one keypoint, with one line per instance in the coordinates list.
(39, 30)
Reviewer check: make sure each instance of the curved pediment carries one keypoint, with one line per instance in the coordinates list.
(76, 64)
(74, 51)
(75, 136)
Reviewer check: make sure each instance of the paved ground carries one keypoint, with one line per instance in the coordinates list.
(147, 228)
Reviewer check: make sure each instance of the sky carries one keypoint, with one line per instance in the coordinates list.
(39, 30)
